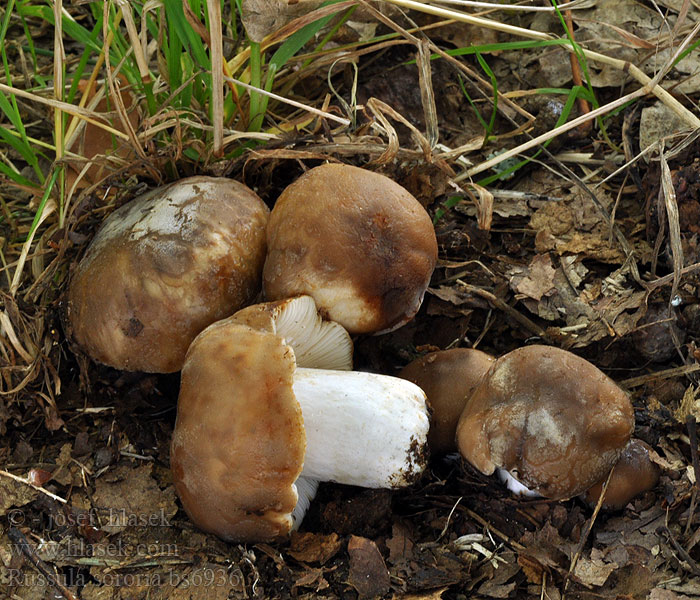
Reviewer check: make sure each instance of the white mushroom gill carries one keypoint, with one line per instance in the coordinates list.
(306, 491)
(515, 486)
(316, 343)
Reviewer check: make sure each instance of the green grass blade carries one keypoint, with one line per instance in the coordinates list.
(255, 116)
(189, 39)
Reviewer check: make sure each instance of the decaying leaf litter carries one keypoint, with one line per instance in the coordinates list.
(591, 245)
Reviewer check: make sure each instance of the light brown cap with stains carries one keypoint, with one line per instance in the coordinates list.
(354, 240)
(448, 378)
(162, 268)
(550, 418)
(634, 473)
(239, 440)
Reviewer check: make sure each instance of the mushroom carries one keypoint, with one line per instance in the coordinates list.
(448, 378)
(551, 419)
(634, 473)
(355, 241)
(268, 408)
(162, 268)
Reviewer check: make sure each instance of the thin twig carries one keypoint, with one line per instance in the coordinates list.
(658, 375)
(692, 563)
(21, 542)
(499, 304)
(38, 488)
(587, 531)
(584, 107)
(666, 279)
(692, 426)
(479, 519)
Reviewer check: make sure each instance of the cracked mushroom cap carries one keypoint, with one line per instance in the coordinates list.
(239, 441)
(448, 378)
(634, 474)
(551, 419)
(354, 240)
(162, 268)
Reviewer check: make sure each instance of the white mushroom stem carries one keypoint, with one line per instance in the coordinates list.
(362, 429)
(515, 486)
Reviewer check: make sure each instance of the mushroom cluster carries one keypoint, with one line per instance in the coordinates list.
(269, 405)
(550, 420)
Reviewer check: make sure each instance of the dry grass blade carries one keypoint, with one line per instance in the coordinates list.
(8, 330)
(216, 50)
(294, 103)
(116, 95)
(674, 227)
(466, 18)
(576, 4)
(683, 371)
(58, 69)
(550, 134)
(136, 46)
(427, 93)
(72, 109)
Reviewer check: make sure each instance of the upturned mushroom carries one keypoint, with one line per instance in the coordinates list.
(354, 240)
(268, 408)
(634, 474)
(550, 419)
(448, 378)
(162, 268)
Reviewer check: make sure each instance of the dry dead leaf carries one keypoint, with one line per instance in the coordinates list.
(312, 578)
(15, 494)
(496, 590)
(262, 17)
(400, 544)
(127, 496)
(593, 572)
(537, 280)
(368, 573)
(67, 472)
(314, 548)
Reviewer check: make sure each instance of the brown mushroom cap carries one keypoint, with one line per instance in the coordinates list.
(448, 378)
(162, 268)
(232, 481)
(634, 473)
(549, 417)
(355, 241)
